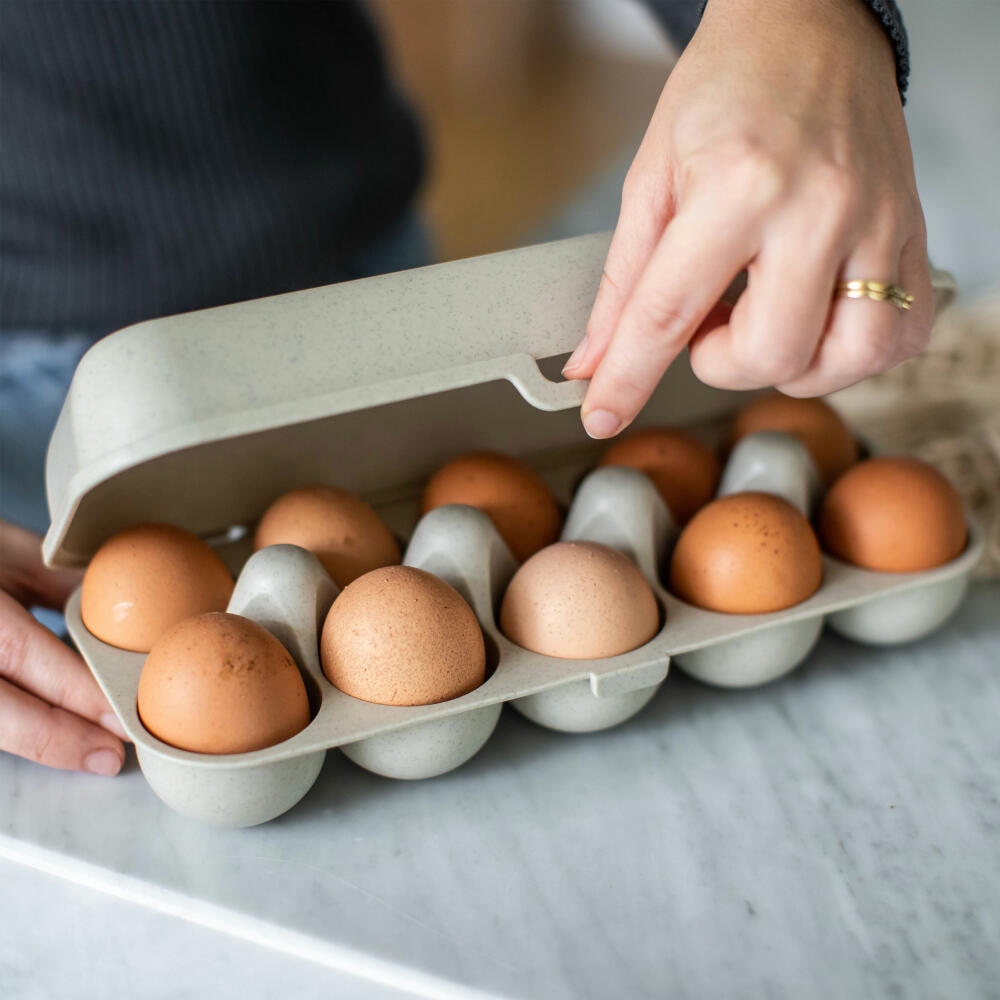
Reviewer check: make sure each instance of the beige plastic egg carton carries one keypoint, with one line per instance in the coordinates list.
(203, 419)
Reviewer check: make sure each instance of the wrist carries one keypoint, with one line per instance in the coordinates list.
(842, 39)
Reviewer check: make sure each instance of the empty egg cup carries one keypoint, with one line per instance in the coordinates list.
(286, 590)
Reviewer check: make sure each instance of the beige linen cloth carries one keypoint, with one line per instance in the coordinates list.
(944, 407)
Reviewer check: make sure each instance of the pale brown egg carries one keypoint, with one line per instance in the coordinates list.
(579, 601)
(146, 579)
(684, 469)
(338, 527)
(516, 498)
(220, 683)
(893, 514)
(816, 424)
(401, 636)
(747, 553)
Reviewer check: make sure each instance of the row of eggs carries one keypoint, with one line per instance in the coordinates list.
(215, 682)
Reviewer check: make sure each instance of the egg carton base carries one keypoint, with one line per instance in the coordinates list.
(286, 590)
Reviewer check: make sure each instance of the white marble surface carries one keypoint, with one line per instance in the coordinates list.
(63, 940)
(834, 834)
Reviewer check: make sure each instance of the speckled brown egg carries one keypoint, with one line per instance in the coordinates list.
(816, 424)
(893, 514)
(516, 498)
(146, 579)
(747, 553)
(402, 636)
(684, 469)
(220, 683)
(338, 527)
(579, 601)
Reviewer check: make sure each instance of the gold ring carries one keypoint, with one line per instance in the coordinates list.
(880, 291)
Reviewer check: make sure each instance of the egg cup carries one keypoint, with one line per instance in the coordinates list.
(913, 604)
(285, 590)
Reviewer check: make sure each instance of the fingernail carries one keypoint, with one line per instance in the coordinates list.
(577, 356)
(105, 762)
(601, 423)
(109, 721)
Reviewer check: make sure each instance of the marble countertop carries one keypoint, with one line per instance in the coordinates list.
(834, 834)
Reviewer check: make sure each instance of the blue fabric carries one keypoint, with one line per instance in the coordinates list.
(35, 372)
(36, 368)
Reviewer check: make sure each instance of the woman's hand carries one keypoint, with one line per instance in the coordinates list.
(51, 709)
(778, 145)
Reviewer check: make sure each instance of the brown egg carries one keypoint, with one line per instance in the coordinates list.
(343, 532)
(813, 422)
(219, 683)
(579, 601)
(146, 579)
(684, 469)
(516, 498)
(747, 553)
(400, 636)
(896, 515)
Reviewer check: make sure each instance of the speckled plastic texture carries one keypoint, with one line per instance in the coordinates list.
(203, 419)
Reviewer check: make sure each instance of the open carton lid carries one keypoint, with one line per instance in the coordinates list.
(204, 418)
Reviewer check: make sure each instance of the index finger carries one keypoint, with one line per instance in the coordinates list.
(696, 259)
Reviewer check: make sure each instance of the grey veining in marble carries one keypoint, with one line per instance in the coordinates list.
(834, 834)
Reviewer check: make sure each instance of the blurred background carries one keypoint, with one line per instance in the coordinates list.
(534, 108)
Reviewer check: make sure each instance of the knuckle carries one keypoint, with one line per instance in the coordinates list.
(768, 365)
(884, 219)
(609, 298)
(13, 651)
(648, 189)
(709, 371)
(658, 317)
(609, 286)
(785, 368)
(870, 354)
(622, 393)
(40, 748)
(838, 192)
(911, 211)
(757, 177)
(745, 166)
(33, 742)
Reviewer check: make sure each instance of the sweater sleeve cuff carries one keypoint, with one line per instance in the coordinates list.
(892, 21)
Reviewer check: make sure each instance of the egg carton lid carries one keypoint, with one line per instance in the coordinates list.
(203, 418)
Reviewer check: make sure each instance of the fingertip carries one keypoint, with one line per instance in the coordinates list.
(601, 424)
(105, 762)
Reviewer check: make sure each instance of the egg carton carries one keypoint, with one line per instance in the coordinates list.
(203, 419)
(286, 590)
